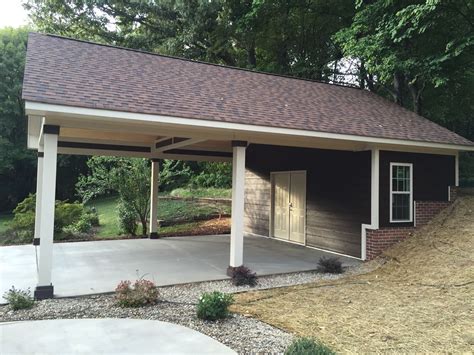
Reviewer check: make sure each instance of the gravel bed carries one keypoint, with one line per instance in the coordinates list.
(177, 305)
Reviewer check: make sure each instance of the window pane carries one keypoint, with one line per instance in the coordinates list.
(400, 207)
(401, 178)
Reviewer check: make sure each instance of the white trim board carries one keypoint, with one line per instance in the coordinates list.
(43, 109)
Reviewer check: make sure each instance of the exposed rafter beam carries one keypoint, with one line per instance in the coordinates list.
(174, 143)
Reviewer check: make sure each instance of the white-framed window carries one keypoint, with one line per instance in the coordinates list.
(401, 192)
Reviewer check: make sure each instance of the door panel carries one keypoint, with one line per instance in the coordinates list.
(297, 206)
(281, 195)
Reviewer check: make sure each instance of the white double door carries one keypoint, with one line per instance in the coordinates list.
(289, 205)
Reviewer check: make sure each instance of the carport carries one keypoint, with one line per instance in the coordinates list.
(310, 161)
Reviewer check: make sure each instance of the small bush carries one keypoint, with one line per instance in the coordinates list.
(307, 346)
(142, 293)
(19, 299)
(82, 226)
(242, 275)
(67, 214)
(127, 219)
(330, 265)
(24, 215)
(92, 216)
(214, 305)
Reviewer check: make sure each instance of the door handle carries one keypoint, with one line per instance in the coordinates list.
(290, 204)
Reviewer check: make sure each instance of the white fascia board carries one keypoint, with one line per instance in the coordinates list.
(44, 109)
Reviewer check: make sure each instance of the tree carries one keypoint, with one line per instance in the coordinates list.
(129, 177)
(17, 164)
(410, 45)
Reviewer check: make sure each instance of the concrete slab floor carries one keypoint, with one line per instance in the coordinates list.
(94, 336)
(95, 267)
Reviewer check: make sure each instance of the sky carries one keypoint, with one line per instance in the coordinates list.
(12, 13)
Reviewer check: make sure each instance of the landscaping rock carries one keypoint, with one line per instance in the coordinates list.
(178, 305)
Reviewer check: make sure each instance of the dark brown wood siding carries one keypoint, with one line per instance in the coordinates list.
(432, 174)
(337, 193)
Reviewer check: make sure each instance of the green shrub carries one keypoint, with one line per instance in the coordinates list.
(24, 216)
(330, 265)
(92, 216)
(19, 299)
(214, 305)
(127, 219)
(82, 226)
(142, 293)
(67, 214)
(307, 346)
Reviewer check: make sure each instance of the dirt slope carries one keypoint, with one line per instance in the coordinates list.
(420, 300)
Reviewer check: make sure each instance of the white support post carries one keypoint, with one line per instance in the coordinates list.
(456, 170)
(238, 190)
(155, 181)
(374, 189)
(374, 200)
(44, 289)
(39, 185)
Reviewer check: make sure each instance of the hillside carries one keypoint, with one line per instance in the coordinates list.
(420, 299)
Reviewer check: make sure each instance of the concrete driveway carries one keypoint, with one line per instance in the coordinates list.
(94, 336)
(95, 267)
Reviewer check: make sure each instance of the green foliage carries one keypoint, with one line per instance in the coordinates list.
(129, 177)
(174, 174)
(92, 217)
(142, 293)
(24, 215)
(307, 346)
(214, 305)
(127, 219)
(218, 175)
(17, 164)
(65, 214)
(209, 192)
(19, 299)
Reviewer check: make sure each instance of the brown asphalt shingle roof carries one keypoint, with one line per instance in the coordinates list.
(76, 73)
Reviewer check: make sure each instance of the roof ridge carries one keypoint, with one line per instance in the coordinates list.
(194, 61)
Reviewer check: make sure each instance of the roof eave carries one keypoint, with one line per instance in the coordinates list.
(45, 109)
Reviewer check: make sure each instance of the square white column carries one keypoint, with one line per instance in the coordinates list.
(238, 197)
(44, 288)
(39, 185)
(155, 181)
(374, 201)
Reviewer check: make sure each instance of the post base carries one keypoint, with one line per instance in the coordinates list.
(44, 292)
(154, 235)
(230, 270)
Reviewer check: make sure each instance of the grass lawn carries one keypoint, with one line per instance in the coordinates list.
(167, 210)
(419, 301)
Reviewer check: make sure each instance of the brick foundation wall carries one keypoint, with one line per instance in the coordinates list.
(380, 239)
(426, 210)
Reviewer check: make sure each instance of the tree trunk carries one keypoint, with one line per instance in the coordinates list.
(143, 222)
(251, 56)
(415, 92)
(398, 80)
(362, 74)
